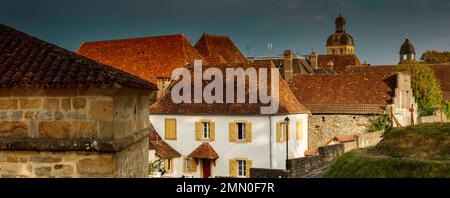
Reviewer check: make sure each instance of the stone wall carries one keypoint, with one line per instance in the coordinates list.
(369, 139)
(104, 129)
(268, 173)
(321, 128)
(327, 154)
(437, 118)
(301, 166)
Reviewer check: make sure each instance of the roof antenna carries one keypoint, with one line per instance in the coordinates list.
(340, 11)
(269, 46)
(407, 35)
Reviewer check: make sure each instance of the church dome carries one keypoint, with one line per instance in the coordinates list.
(407, 48)
(340, 20)
(341, 38)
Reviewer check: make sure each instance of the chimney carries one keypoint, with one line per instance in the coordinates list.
(313, 58)
(288, 61)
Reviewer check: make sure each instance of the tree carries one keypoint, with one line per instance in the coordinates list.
(426, 88)
(434, 57)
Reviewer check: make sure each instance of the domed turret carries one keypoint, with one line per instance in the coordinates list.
(407, 52)
(340, 43)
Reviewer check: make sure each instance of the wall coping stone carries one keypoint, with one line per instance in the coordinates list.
(100, 145)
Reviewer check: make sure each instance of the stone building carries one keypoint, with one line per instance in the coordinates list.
(347, 104)
(63, 115)
(407, 52)
(150, 58)
(340, 43)
(340, 54)
(227, 139)
(407, 55)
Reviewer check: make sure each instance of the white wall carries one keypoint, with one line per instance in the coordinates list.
(258, 150)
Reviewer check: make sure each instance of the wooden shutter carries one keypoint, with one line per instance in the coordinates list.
(233, 168)
(170, 129)
(232, 131)
(248, 132)
(166, 165)
(278, 132)
(212, 134)
(193, 165)
(248, 166)
(299, 130)
(198, 131)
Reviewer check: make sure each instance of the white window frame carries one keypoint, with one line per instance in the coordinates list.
(282, 131)
(244, 132)
(206, 130)
(188, 164)
(241, 168)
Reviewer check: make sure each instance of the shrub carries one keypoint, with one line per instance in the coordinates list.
(426, 88)
(381, 123)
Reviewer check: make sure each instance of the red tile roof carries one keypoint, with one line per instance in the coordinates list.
(339, 62)
(344, 92)
(441, 71)
(311, 152)
(287, 102)
(148, 57)
(162, 149)
(204, 151)
(26, 61)
(219, 49)
(343, 138)
(371, 69)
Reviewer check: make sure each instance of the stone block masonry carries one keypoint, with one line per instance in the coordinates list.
(324, 127)
(74, 133)
(299, 167)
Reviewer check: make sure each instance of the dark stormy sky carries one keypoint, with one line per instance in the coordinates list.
(379, 27)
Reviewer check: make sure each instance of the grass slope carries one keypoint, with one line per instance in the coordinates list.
(411, 152)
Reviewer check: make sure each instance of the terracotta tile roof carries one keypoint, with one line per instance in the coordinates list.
(287, 102)
(371, 69)
(148, 57)
(162, 149)
(219, 49)
(344, 92)
(339, 62)
(345, 138)
(204, 151)
(346, 108)
(441, 71)
(311, 152)
(26, 61)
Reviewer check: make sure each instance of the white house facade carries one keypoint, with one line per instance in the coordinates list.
(258, 141)
(226, 140)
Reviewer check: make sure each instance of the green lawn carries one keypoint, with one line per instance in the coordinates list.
(421, 151)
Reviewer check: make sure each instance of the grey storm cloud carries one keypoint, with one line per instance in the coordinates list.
(378, 26)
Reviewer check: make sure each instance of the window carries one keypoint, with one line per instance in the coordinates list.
(241, 133)
(241, 168)
(170, 129)
(188, 164)
(206, 130)
(405, 57)
(168, 165)
(282, 130)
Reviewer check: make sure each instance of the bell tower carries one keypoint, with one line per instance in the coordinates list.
(407, 52)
